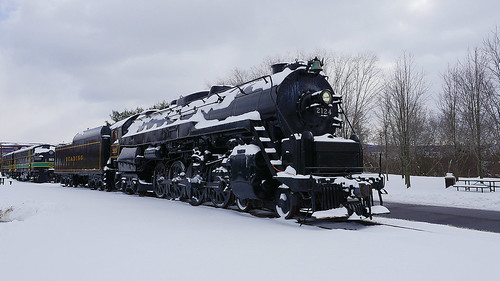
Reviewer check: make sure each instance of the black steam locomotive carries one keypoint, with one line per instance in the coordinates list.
(268, 143)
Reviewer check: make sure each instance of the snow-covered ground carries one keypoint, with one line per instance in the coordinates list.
(61, 233)
(432, 191)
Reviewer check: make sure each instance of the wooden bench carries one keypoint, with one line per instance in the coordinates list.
(477, 183)
(468, 187)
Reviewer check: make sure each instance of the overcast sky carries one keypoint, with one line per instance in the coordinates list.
(65, 64)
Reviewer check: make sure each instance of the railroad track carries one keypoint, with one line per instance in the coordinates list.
(345, 224)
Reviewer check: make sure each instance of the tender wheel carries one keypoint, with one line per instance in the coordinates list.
(285, 204)
(92, 185)
(243, 205)
(221, 197)
(102, 186)
(159, 180)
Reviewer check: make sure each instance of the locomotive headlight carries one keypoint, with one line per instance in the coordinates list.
(326, 96)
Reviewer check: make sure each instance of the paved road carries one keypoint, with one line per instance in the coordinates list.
(459, 217)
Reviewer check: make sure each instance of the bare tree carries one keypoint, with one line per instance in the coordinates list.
(451, 128)
(404, 94)
(470, 109)
(358, 80)
(239, 76)
(236, 77)
(475, 89)
(384, 119)
(492, 51)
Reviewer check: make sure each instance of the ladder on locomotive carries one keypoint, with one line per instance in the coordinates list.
(266, 145)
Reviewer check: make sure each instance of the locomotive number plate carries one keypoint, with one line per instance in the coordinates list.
(323, 111)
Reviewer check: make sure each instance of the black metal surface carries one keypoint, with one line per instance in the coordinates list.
(329, 196)
(192, 97)
(242, 170)
(88, 153)
(322, 158)
(291, 93)
(128, 159)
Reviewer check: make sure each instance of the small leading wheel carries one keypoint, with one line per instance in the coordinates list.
(243, 204)
(285, 204)
(159, 185)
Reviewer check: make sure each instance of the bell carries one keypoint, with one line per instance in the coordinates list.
(315, 65)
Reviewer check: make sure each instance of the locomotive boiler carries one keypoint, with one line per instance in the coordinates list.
(269, 143)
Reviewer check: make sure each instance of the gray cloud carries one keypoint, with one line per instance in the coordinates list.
(64, 65)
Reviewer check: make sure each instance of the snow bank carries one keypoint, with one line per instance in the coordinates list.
(81, 234)
(432, 191)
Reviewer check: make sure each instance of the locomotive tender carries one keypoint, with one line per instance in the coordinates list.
(268, 143)
(83, 161)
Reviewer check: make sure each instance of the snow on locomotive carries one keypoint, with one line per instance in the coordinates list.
(268, 143)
